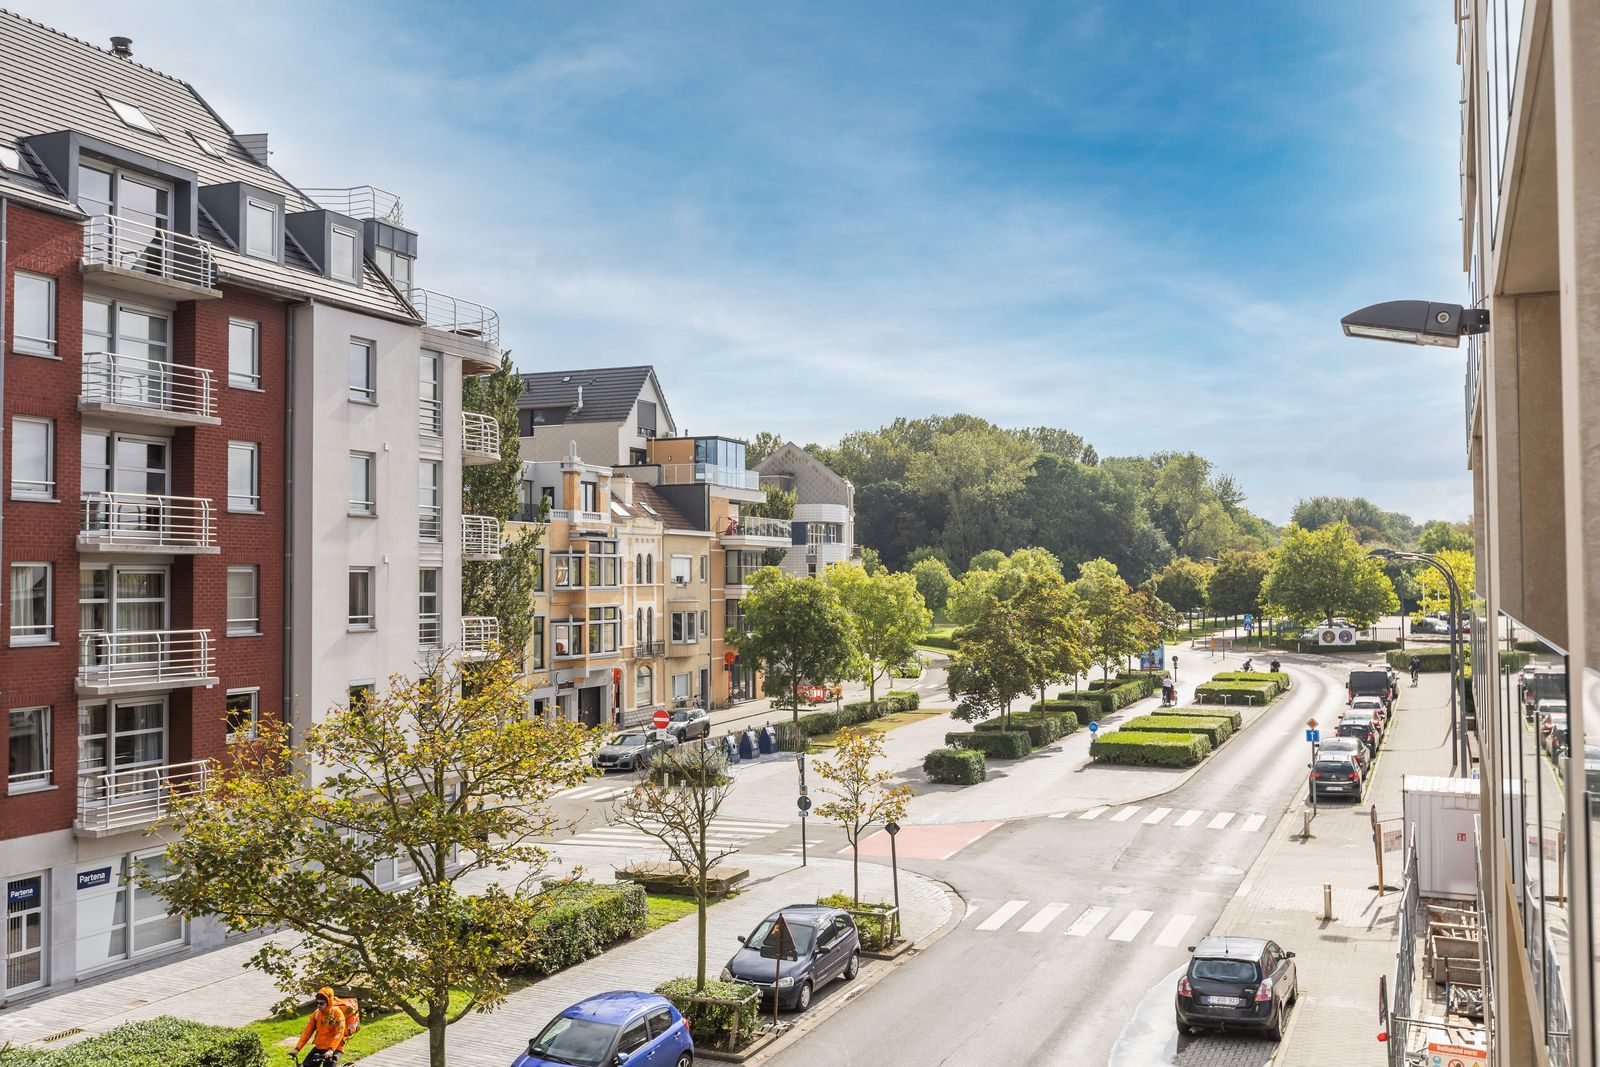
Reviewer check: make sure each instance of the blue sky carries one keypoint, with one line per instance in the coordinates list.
(1137, 220)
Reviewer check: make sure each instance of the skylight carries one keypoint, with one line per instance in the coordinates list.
(618, 509)
(206, 146)
(10, 158)
(130, 115)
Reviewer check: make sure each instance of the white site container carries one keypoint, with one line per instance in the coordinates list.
(1440, 818)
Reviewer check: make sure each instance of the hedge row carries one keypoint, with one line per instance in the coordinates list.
(1113, 698)
(1234, 718)
(711, 1025)
(1214, 730)
(853, 714)
(1278, 677)
(954, 766)
(1356, 646)
(160, 1042)
(1000, 744)
(1438, 660)
(1041, 728)
(938, 641)
(1085, 711)
(1150, 749)
(1235, 693)
(579, 920)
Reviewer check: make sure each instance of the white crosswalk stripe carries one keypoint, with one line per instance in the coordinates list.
(1156, 816)
(1188, 817)
(1134, 926)
(725, 833)
(1173, 932)
(1220, 820)
(1125, 814)
(1094, 813)
(1253, 823)
(1002, 915)
(1087, 921)
(1042, 918)
(1060, 815)
(1129, 928)
(593, 791)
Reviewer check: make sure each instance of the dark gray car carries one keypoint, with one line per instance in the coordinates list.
(631, 749)
(824, 945)
(1237, 983)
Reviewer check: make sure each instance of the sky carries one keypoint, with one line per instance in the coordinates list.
(1138, 220)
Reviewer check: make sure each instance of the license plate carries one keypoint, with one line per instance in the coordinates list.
(1226, 1002)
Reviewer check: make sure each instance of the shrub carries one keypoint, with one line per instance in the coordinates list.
(1085, 711)
(938, 641)
(1434, 660)
(955, 766)
(1355, 646)
(1041, 728)
(160, 1042)
(725, 1026)
(1099, 698)
(579, 920)
(998, 744)
(872, 920)
(1150, 749)
(909, 701)
(1214, 729)
(1235, 693)
(1278, 678)
(1234, 718)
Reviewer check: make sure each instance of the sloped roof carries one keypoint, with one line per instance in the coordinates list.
(790, 456)
(609, 393)
(670, 516)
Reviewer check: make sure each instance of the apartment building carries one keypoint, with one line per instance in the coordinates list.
(185, 338)
(610, 414)
(1530, 185)
(824, 528)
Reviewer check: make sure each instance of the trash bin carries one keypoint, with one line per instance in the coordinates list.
(730, 748)
(749, 747)
(769, 740)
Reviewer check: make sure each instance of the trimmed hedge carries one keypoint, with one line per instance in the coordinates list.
(1235, 718)
(579, 921)
(955, 766)
(712, 1024)
(852, 714)
(1214, 729)
(1278, 678)
(1150, 749)
(1085, 711)
(1357, 646)
(937, 641)
(160, 1042)
(1235, 693)
(1110, 698)
(1041, 728)
(997, 744)
(907, 700)
(1432, 660)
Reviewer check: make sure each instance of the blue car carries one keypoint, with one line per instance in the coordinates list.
(612, 1030)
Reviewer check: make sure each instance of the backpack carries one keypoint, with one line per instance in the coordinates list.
(352, 1014)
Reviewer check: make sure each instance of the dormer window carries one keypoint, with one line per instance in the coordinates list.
(206, 146)
(261, 229)
(130, 115)
(396, 266)
(342, 254)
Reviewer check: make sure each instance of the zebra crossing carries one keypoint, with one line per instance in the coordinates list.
(724, 834)
(595, 792)
(1187, 818)
(1081, 920)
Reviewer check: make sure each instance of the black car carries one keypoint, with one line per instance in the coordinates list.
(1362, 731)
(689, 723)
(823, 944)
(1237, 983)
(1336, 774)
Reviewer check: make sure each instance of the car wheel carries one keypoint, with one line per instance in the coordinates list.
(803, 1000)
(1275, 1031)
(686, 1059)
(852, 968)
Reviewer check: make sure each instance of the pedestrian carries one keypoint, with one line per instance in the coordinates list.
(1276, 667)
(1247, 664)
(1416, 668)
(328, 1024)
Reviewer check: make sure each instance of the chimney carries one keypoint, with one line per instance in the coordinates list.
(255, 144)
(122, 47)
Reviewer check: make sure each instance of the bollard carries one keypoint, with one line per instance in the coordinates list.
(1327, 902)
(1305, 814)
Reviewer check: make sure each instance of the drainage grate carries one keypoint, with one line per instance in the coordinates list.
(63, 1035)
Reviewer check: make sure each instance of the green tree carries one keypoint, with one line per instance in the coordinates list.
(1438, 535)
(780, 503)
(798, 632)
(1235, 587)
(1321, 573)
(1183, 583)
(998, 576)
(972, 474)
(760, 447)
(871, 562)
(1054, 630)
(991, 666)
(1435, 592)
(1117, 626)
(446, 771)
(1369, 523)
(887, 616)
(933, 582)
(860, 792)
(917, 555)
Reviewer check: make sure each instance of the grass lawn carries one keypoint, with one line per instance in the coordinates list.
(668, 908)
(377, 1032)
(883, 725)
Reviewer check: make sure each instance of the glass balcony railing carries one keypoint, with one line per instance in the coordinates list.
(711, 473)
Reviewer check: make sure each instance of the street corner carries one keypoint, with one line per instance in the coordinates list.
(933, 842)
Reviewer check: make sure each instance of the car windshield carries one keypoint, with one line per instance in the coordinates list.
(680, 716)
(579, 1041)
(1340, 744)
(1224, 970)
(801, 934)
(626, 740)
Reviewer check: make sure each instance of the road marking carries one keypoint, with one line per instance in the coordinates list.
(972, 906)
(1094, 813)
(1129, 928)
(1253, 823)
(1244, 888)
(1156, 816)
(1087, 921)
(1188, 817)
(1002, 915)
(1173, 932)
(1219, 820)
(1061, 815)
(1125, 813)
(1045, 916)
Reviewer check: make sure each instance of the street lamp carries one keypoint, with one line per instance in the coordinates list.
(1416, 322)
(1459, 755)
(894, 866)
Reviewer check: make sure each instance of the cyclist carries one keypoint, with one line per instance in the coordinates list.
(328, 1024)
(1276, 666)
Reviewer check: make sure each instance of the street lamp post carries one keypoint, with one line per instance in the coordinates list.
(1459, 756)
(894, 867)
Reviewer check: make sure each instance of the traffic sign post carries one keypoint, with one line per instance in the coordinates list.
(1094, 728)
(894, 866)
(803, 802)
(1314, 736)
(661, 718)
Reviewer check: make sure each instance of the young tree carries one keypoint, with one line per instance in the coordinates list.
(1052, 628)
(933, 582)
(761, 446)
(447, 772)
(1235, 587)
(861, 793)
(1115, 619)
(992, 665)
(1435, 591)
(1438, 535)
(677, 803)
(888, 616)
(1325, 572)
(1182, 584)
(998, 579)
(798, 632)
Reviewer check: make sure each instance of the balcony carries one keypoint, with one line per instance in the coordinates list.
(480, 439)
(755, 532)
(147, 390)
(713, 474)
(361, 202)
(144, 522)
(480, 537)
(480, 636)
(470, 330)
(649, 649)
(119, 801)
(144, 260)
(125, 661)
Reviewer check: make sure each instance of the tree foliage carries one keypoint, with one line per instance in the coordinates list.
(1435, 592)
(933, 582)
(1368, 523)
(887, 616)
(1235, 587)
(1323, 573)
(859, 791)
(798, 632)
(1183, 584)
(994, 575)
(1438, 535)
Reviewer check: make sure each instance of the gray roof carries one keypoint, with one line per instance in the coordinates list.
(609, 393)
(56, 82)
(664, 509)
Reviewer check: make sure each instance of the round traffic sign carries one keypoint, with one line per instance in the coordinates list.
(662, 717)
(1094, 727)
(804, 803)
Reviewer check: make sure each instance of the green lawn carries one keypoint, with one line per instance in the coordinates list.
(378, 1032)
(668, 908)
(883, 725)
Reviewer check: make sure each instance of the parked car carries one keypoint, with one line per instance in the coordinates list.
(1336, 774)
(825, 945)
(1540, 684)
(632, 749)
(1371, 682)
(1364, 717)
(1237, 983)
(1347, 746)
(1430, 625)
(1375, 707)
(1553, 736)
(613, 1030)
(1361, 731)
(687, 724)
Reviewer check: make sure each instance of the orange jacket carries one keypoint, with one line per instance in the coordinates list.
(328, 1025)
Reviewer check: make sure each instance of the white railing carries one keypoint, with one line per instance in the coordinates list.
(462, 317)
(734, 477)
(757, 526)
(145, 519)
(430, 632)
(480, 434)
(135, 797)
(562, 514)
(480, 634)
(135, 381)
(480, 536)
(129, 244)
(144, 658)
(361, 202)
(592, 516)
(430, 522)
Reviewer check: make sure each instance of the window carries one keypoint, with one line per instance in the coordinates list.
(33, 475)
(547, 496)
(429, 629)
(681, 569)
(361, 616)
(31, 617)
(568, 637)
(244, 606)
(568, 570)
(11, 159)
(705, 624)
(243, 715)
(28, 749)
(526, 511)
(589, 496)
(244, 354)
(260, 229)
(130, 115)
(605, 566)
(649, 570)
(605, 629)
(35, 314)
(244, 476)
(704, 568)
(361, 484)
(342, 254)
(538, 570)
(633, 1038)
(681, 687)
(363, 383)
(430, 501)
(638, 569)
(359, 696)
(430, 396)
(396, 266)
(206, 146)
(536, 645)
(684, 628)
(644, 687)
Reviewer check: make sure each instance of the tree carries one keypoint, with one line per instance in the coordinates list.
(871, 562)
(1438, 535)
(933, 582)
(798, 632)
(995, 575)
(1183, 583)
(1235, 587)
(991, 666)
(887, 614)
(446, 771)
(677, 802)
(761, 446)
(1435, 592)
(780, 502)
(861, 793)
(970, 475)
(503, 588)
(894, 520)
(1118, 627)
(1321, 573)
(1055, 632)
(1369, 523)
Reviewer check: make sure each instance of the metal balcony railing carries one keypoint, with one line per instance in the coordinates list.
(463, 317)
(430, 522)
(132, 245)
(715, 474)
(144, 659)
(121, 800)
(136, 381)
(147, 520)
(649, 649)
(480, 537)
(430, 631)
(480, 635)
(361, 202)
(756, 526)
(480, 435)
